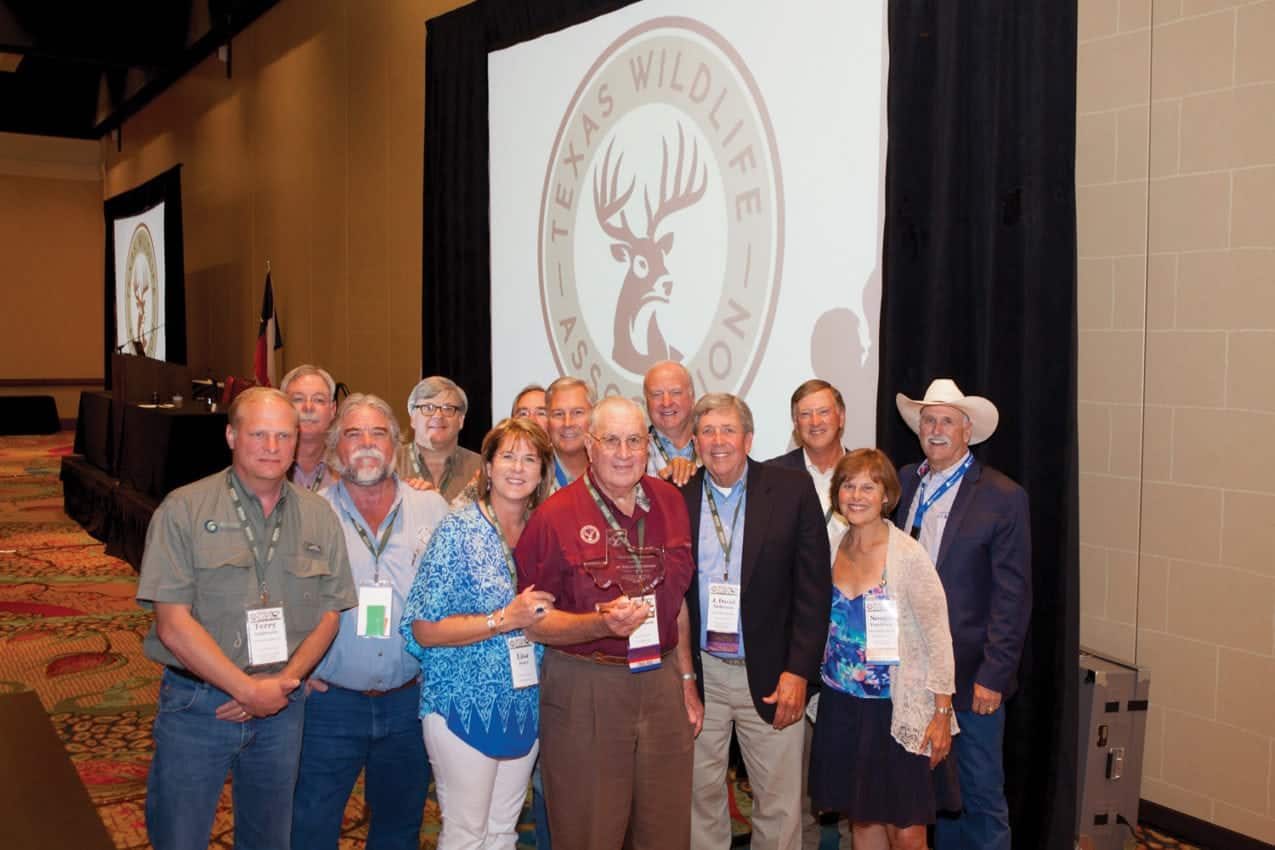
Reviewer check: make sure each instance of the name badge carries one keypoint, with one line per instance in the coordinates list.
(376, 603)
(723, 617)
(644, 644)
(267, 636)
(882, 616)
(522, 662)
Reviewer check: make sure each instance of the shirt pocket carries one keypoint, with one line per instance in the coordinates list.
(304, 579)
(225, 584)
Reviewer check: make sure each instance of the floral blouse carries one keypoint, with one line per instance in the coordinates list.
(844, 664)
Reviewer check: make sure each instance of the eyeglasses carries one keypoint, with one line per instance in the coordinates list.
(612, 443)
(429, 409)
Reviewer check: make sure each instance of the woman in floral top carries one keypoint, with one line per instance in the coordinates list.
(463, 620)
(885, 717)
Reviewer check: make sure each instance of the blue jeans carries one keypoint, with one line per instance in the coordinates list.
(193, 753)
(346, 732)
(984, 821)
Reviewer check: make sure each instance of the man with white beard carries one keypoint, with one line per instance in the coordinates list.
(361, 711)
(313, 393)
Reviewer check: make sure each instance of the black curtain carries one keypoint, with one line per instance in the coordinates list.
(979, 286)
(979, 262)
(165, 188)
(456, 288)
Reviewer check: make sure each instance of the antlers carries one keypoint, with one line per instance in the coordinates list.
(672, 198)
(682, 196)
(606, 204)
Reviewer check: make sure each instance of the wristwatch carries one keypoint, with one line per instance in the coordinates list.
(689, 677)
(945, 710)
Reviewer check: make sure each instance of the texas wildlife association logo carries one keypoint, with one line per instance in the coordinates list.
(141, 276)
(661, 219)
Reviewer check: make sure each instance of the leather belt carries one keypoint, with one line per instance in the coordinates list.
(375, 693)
(734, 662)
(602, 657)
(184, 674)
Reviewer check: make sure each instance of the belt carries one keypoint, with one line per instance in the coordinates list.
(734, 662)
(375, 693)
(184, 674)
(603, 658)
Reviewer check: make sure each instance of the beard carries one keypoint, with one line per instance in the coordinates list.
(366, 474)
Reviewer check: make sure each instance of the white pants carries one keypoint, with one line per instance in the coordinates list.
(480, 797)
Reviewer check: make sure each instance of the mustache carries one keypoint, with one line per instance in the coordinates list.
(939, 441)
(367, 453)
(310, 418)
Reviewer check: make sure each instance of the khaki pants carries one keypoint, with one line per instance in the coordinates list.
(615, 754)
(773, 759)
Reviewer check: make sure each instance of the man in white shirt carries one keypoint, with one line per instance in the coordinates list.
(669, 400)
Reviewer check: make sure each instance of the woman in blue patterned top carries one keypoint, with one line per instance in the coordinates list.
(463, 620)
(885, 722)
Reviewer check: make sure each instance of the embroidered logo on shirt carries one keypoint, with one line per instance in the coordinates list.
(313, 548)
(590, 534)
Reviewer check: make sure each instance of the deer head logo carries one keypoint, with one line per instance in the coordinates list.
(639, 342)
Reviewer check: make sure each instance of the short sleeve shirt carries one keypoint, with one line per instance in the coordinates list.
(462, 465)
(568, 531)
(198, 555)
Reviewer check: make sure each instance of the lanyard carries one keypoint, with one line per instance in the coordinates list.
(658, 439)
(273, 537)
(560, 474)
(422, 470)
(320, 473)
(489, 513)
(925, 503)
(727, 543)
(610, 517)
(376, 549)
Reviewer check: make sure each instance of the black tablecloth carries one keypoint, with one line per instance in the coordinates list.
(29, 414)
(93, 429)
(164, 448)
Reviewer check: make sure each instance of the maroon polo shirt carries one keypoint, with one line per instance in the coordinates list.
(569, 530)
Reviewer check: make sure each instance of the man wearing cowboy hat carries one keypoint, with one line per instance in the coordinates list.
(974, 523)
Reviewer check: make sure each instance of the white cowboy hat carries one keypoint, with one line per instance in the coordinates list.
(982, 413)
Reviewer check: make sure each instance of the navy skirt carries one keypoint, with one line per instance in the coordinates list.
(858, 769)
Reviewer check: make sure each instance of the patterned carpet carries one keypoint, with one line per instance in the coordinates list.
(70, 631)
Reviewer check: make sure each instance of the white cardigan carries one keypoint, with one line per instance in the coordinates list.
(926, 666)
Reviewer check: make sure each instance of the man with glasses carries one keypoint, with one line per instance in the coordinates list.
(616, 730)
(570, 401)
(361, 712)
(437, 408)
(313, 393)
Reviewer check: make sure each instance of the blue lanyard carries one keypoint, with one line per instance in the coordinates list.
(951, 482)
(560, 474)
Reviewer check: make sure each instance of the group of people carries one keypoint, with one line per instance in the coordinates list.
(604, 594)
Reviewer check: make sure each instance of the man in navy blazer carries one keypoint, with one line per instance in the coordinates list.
(761, 554)
(974, 523)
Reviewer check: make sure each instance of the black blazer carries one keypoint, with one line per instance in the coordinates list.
(786, 586)
(985, 564)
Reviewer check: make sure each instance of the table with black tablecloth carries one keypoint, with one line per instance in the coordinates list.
(93, 429)
(163, 448)
(29, 414)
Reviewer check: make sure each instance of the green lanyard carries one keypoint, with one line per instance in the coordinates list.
(320, 472)
(376, 550)
(490, 513)
(610, 517)
(422, 471)
(726, 543)
(659, 447)
(252, 537)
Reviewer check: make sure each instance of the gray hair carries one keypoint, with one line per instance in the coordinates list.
(307, 369)
(567, 382)
(432, 386)
(723, 401)
(530, 388)
(609, 404)
(353, 402)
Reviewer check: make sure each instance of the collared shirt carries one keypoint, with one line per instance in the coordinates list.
(461, 466)
(198, 555)
(568, 531)
(558, 475)
(823, 483)
(318, 478)
(713, 566)
(655, 461)
(380, 664)
(935, 520)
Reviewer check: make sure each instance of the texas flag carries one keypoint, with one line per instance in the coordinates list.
(263, 361)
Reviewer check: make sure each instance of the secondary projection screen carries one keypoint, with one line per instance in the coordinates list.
(698, 181)
(140, 320)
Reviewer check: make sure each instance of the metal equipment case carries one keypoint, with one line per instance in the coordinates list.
(1113, 725)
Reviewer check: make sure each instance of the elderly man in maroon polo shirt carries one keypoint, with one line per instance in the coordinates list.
(616, 728)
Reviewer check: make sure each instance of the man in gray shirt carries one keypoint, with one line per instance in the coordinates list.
(246, 574)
